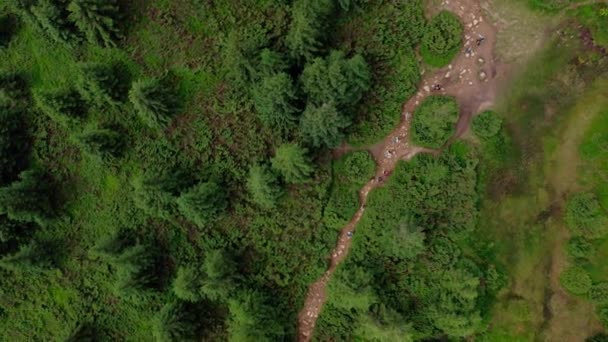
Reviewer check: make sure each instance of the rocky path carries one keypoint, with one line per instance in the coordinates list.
(471, 78)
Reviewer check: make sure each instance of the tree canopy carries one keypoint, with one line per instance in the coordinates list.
(434, 121)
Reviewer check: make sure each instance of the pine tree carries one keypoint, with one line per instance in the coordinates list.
(262, 186)
(187, 284)
(323, 125)
(32, 257)
(96, 19)
(100, 85)
(105, 143)
(273, 98)
(13, 91)
(336, 79)
(52, 17)
(271, 62)
(154, 101)
(153, 195)
(219, 270)
(201, 203)
(307, 26)
(291, 162)
(8, 28)
(64, 106)
(29, 199)
(87, 332)
(14, 144)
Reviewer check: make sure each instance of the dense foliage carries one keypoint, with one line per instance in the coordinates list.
(435, 121)
(486, 124)
(442, 39)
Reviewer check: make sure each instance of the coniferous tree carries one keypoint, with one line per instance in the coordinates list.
(63, 106)
(262, 185)
(219, 271)
(14, 144)
(96, 19)
(174, 323)
(153, 195)
(8, 28)
(273, 98)
(29, 199)
(291, 162)
(307, 26)
(103, 142)
(154, 101)
(271, 62)
(201, 203)
(323, 125)
(13, 91)
(52, 17)
(187, 284)
(100, 85)
(87, 332)
(34, 257)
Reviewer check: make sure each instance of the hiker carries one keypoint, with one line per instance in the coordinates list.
(349, 234)
(437, 87)
(480, 40)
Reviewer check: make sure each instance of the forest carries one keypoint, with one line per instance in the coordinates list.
(168, 172)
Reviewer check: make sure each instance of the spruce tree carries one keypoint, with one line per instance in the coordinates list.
(100, 85)
(29, 199)
(203, 202)
(153, 195)
(13, 91)
(8, 28)
(308, 24)
(291, 162)
(154, 101)
(273, 98)
(96, 19)
(323, 125)
(262, 186)
(187, 284)
(14, 144)
(103, 142)
(219, 270)
(64, 106)
(271, 62)
(52, 17)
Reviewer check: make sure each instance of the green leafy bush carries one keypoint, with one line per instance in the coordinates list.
(442, 39)
(599, 293)
(585, 216)
(579, 247)
(434, 121)
(575, 280)
(154, 101)
(486, 124)
(602, 314)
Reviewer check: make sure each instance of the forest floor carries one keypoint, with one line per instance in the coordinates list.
(472, 78)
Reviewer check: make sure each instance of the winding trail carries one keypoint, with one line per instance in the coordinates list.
(472, 79)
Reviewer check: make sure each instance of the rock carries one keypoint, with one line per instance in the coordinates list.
(450, 66)
(482, 75)
(427, 89)
(475, 22)
(447, 74)
(480, 61)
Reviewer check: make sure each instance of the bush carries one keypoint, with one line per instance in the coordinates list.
(486, 124)
(602, 314)
(96, 19)
(599, 293)
(579, 247)
(434, 121)
(442, 39)
(585, 217)
(600, 337)
(154, 101)
(13, 91)
(575, 280)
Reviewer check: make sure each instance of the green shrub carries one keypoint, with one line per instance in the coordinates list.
(13, 91)
(585, 216)
(434, 121)
(579, 247)
(442, 39)
(486, 124)
(602, 314)
(154, 101)
(599, 337)
(575, 280)
(599, 293)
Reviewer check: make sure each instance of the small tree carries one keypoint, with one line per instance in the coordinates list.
(442, 39)
(434, 121)
(486, 124)
(13, 91)
(64, 106)
(154, 101)
(579, 247)
(14, 144)
(291, 162)
(219, 270)
(271, 63)
(33, 257)
(100, 85)
(201, 203)
(52, 17)
(323, 125)
(307, 26)
(105, 143)
(96, 19)
(187, 284)
(153, 195)
(8, 28)
(599, 293)
(262, 186)
(30, 199)
(273, 98)
(575, 280)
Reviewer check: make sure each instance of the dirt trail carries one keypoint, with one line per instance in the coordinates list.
(471, 78)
